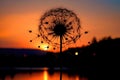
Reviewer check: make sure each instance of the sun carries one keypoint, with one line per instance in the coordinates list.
(44, 47)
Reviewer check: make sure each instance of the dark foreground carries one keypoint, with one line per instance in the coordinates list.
(98, 56)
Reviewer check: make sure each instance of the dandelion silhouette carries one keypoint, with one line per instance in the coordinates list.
(59, 27)
(59, 23)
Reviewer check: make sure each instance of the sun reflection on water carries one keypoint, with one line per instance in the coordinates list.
(44, 74)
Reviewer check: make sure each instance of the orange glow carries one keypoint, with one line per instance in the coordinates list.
(44, 47)
(45, 75)
(16, 21)
(15, 34)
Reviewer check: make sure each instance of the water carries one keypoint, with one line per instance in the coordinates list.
(40, 74)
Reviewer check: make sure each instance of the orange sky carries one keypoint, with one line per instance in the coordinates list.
(100, 18)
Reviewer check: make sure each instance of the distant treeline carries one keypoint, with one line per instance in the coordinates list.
(90, 56)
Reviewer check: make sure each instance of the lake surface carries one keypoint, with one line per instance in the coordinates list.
(40, 74)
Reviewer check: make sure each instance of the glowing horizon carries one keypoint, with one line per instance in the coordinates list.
(100, 18)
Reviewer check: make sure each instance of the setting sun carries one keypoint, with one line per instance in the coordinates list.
(44, 47)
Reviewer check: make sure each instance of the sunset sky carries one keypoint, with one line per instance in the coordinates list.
(100, 17)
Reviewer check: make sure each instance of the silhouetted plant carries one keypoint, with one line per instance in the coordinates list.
(59, 23)
(56, 24)
(59, 27)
